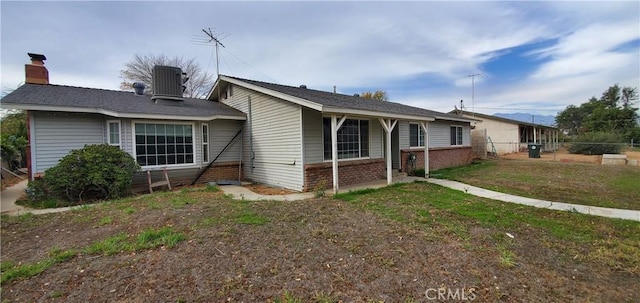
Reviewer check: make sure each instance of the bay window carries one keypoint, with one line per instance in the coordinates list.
(164, 144)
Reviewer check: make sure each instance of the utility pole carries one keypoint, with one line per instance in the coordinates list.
(215, 39)
(473, 90)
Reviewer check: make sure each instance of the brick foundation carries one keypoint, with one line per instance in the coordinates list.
(221, 171)
(349, 172)
(440, 157)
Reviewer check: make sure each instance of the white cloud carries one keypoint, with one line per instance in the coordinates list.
(351, 45)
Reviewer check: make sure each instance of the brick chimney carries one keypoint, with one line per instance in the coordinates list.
(35, 72)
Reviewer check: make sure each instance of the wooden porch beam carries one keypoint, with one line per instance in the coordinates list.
(388, 125)
(425, 129)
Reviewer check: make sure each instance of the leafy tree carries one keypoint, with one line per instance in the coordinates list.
(13, 127)
(11, 149)
(14, 123)
(140, 69)
(596, 143)
(377, 95)
(614, 112)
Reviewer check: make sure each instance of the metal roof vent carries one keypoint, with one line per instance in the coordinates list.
(139, 88)
(356, 95)
(303, 86)
(167, 83)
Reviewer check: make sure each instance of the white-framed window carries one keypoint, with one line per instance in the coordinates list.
(205, 142)
(456, 135)
(416, 135)
(353, 139)
(164, 144)
(113, 133)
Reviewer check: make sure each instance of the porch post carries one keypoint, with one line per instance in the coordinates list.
(335, 126)
(425, 129)
(388, 127)
(535, 134)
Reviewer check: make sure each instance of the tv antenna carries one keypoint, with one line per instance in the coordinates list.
(213, 38)
(473, 90)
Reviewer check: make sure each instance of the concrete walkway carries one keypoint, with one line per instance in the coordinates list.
(584, 209)
(10, 195)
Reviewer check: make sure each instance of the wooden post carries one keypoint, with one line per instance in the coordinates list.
(335, 126)
(388, 125)
(425, 128)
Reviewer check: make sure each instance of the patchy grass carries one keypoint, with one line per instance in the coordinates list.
(579, 183)
(147, 239)
(615, 242)
(11, 271)
(386, 245)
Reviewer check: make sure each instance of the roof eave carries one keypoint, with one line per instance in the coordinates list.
(369, 113)
(270, 92)
(94, 110)
(461, 119)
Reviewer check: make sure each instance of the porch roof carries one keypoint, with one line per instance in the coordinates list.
(328, 102)
(121, 104)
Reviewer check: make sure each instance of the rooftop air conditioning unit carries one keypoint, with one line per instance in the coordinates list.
(167, 83)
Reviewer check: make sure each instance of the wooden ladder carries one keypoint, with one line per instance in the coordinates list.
(159, 183)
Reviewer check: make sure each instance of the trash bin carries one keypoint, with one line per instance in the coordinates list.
(534, 150)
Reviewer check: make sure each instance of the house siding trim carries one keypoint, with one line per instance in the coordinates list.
(88, 110)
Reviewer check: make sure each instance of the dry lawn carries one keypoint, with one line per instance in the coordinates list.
(389, 245)
(574, 182)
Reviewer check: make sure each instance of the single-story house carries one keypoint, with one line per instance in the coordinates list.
(291, 137)
(504, 136)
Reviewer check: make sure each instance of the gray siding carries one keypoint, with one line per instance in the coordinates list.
(312, 129)
(440, 133)
(220, 134)
(179, 176)
(376, 139)
(403, 128)
(56, 134)
(275, 129)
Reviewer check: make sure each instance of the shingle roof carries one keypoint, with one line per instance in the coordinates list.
(348, 101)
(507, 120)
(91, 99)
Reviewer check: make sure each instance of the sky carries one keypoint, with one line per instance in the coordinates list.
(534, 57)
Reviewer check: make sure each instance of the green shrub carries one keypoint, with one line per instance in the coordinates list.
(596, 143)
(36, 190)
(418, 172)
(93, 172)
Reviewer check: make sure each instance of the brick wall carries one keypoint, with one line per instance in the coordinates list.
(440, 157)
(349, 172)
(221, 171)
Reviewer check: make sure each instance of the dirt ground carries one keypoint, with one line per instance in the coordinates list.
(267, 190)
(318, 250)
(9, 182)
(563, 155)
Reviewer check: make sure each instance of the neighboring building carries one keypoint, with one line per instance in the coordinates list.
(504, 136)
(292, 137)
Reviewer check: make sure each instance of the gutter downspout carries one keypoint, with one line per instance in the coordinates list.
(250, 126)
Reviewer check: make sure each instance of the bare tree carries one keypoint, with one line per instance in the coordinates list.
(377, 95)
(140, 69)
